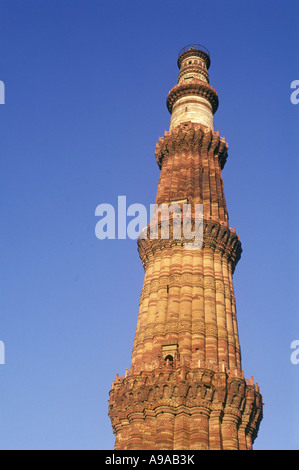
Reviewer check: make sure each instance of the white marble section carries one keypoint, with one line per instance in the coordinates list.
(199, 111)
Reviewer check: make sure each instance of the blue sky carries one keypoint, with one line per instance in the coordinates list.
(85, 89)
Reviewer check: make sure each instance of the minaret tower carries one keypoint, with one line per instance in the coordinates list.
(185, 388)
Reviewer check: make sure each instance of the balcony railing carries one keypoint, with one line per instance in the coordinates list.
(197, 47)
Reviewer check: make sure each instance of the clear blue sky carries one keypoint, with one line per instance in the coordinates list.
(86, 84)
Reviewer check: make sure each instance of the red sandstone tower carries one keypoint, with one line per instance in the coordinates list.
(186, 388)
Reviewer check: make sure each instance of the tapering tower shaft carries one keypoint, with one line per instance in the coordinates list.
(185, 388)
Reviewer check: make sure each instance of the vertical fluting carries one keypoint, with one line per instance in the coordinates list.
(234, 321)
(230, 431)
(182, 429)
(210, 307)
(229, 318)
(199, 428)
(215, 437)
(198, 315)
(185, 318)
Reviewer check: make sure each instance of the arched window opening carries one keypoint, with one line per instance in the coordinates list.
(169, 358)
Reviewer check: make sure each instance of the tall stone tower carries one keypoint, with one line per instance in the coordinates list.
(185, 388)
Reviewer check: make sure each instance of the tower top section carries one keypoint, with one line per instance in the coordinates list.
(194, 50)
(193, 99)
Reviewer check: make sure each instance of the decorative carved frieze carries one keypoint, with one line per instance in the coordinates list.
(215, 236)
(191, 135)
(144, 394)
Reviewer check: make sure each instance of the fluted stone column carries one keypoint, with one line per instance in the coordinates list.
(185, 388)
